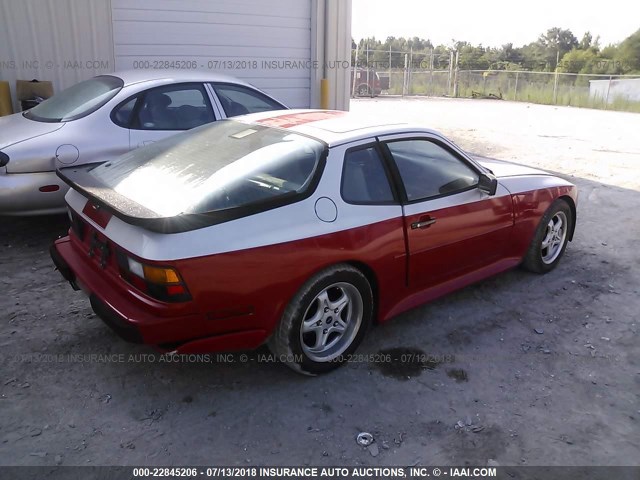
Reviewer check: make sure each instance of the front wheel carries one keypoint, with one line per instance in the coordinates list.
(550, 239)
(325, 321)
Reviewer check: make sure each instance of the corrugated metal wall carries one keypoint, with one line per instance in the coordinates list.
(221, 35)
(64, 41)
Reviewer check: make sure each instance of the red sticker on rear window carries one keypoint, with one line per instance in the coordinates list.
(295, 119)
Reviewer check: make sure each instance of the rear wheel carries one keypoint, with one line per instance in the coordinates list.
(363, 90)
(325, 321)
(550, 239)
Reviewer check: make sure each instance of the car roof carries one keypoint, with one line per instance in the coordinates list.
(333, 127)
(131, 77)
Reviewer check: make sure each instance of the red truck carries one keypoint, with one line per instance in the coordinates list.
(368, 83)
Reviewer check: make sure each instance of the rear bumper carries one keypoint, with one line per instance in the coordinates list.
(154, 324)
(20, 194)
(62, 267)
(119, 324)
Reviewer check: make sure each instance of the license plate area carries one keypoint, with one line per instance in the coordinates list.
(94, 245)
(99, 249)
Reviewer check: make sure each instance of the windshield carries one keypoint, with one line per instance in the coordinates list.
(77, 101)
(220, 166)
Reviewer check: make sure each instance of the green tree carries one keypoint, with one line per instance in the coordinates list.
(552, 45)
(627, 55)
(584, 56)
(587, 62)
(586, 42)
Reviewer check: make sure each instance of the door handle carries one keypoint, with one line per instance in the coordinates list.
(423, 223)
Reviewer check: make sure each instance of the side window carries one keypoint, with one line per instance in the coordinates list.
(176, 107)
(121, 116)
(239, 100)
(364, 179)
(429, 170)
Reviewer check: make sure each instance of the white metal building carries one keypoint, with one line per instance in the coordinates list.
(285, 47)
(611, 89)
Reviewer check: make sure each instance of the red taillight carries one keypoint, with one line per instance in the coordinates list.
(160, 282)
(49, 188)
(176, 290)
(134, 280)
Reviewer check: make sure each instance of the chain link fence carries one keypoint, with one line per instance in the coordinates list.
(406, 73)
(576, 90)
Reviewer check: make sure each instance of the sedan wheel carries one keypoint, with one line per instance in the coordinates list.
(550, 239)
(325, 321)
(555, 236)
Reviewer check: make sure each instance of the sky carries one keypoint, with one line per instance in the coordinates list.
(493, 23)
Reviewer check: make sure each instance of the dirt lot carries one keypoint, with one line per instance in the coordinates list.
(568, 395)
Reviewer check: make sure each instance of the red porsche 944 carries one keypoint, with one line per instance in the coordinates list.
(298, 229)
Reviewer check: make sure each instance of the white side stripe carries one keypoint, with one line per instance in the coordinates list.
(285, 224)
(290, 223)
(527, 183)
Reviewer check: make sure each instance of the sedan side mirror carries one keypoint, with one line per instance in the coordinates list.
(488, 183)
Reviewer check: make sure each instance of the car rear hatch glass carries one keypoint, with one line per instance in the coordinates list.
(207, 175)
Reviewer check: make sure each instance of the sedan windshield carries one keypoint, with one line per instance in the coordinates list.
(220, 166)
(77, 101)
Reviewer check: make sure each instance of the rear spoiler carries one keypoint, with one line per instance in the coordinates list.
(79, 179)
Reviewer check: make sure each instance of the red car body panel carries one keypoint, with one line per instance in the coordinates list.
(232, 310)
(450, 247)
(529, 207)
(241, 302)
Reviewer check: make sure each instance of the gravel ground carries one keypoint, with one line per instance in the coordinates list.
(521, 369)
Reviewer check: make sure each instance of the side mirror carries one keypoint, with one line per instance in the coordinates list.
(488, 184)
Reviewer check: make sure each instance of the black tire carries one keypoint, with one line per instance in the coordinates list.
(290, 344)
(534, 260)
(363, 91)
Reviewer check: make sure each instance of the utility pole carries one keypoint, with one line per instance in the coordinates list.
(455, 76)
(450, 81)
(409, 81)
(389, 64)
(404, 80)
(431, 72)
(606, 100)
(555, 80)
(368, 70)
(355, 71)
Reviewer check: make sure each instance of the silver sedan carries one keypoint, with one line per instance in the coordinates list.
(103, 117)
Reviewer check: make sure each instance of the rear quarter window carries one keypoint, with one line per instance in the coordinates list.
(364, 179)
